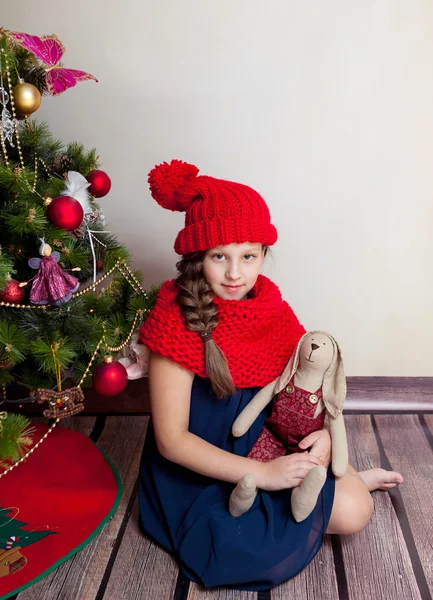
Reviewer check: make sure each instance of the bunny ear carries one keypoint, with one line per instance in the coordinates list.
(334, 383)
(291, 367)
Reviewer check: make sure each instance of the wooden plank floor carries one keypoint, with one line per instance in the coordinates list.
(392, 558)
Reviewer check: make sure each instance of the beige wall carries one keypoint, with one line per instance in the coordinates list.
(326, 108)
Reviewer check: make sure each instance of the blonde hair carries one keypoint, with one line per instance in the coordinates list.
(195, 297)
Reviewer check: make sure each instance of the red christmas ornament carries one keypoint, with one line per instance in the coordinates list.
(100, 183)
(12, 292)
(65, 212)
(109, 378)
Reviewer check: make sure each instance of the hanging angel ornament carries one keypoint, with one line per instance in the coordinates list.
(51, 285)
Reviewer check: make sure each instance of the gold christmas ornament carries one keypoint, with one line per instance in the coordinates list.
(27, 98)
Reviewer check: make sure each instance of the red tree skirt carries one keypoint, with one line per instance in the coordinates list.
(52, 505)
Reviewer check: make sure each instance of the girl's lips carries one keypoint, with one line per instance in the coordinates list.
(232, 288)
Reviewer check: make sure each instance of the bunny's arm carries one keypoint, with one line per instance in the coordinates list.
(340, 456)
(253, 409)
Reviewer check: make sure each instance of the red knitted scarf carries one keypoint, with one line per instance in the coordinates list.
(257, 335)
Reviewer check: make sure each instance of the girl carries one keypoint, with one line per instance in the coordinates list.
(218, 333)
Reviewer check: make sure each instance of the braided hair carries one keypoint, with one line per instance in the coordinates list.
(195, 297)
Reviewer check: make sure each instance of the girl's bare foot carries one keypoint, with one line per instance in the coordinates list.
(379, 479)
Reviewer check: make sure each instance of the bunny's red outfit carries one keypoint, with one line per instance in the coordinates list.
(292, 419)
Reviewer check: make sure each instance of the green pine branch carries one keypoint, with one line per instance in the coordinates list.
(32, 221)
(6, 378)
(13, 342)
(30, 377)
(6, 268)
(117, 329)
(52, 345)
(15, 438)
(36, 135)
(82, 160)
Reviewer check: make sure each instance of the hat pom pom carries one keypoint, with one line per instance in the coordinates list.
(170, 183)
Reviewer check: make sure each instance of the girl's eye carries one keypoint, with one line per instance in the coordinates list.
(249, 255)
(218, 256)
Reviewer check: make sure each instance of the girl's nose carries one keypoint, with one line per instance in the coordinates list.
(233, 272)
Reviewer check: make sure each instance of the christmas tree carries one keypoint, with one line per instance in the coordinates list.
(69, 302)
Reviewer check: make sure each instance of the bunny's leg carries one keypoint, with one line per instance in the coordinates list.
(265, 449)
(243, 496)
(304, 497)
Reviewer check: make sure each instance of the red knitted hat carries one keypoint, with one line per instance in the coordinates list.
(218, 212)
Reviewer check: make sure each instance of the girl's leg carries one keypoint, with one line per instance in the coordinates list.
(353, 504)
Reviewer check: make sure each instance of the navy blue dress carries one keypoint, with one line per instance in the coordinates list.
(187, 513)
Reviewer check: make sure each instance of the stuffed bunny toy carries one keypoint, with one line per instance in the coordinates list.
(310, 395)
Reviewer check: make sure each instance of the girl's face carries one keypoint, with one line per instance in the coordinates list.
(232, 270)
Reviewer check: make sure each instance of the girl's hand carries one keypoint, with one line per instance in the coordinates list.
(319, 443)
(287, 471)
